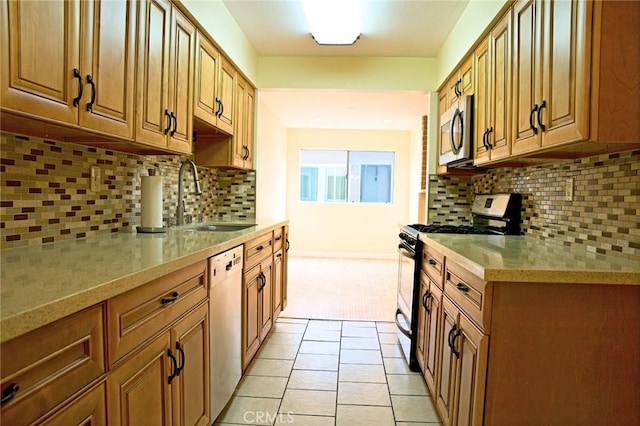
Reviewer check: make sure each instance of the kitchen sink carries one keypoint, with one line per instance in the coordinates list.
(222, 228)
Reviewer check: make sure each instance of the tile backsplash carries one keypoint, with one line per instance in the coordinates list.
(45, 191)
(604, 215)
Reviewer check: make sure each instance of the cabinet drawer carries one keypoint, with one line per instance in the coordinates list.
(136, 316)
(470, 293)
(278, 238)
(257, 249)
(433, 265)
(51, 364)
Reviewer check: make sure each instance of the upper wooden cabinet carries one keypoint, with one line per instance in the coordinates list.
(215, 79)
(572, 60)
(71, 62)
(492, 106)
(243, 136)
(461, 82)
(166, 46)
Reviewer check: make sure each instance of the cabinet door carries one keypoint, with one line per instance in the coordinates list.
(250, 312)
(500, 89)
(206, 80)
(181, 72)
(190, 389)
(526, 75)
(465, 87)
(481, 101)
(153, 121)
(433, 330)
(138, 391)
(240, 124)
(266, 308)
(472, 347)
(87, 410)
(226, 89)
(448, 361)
(285, 265)
(422, 320)
(250, 123)
(108, 61)
(40, 51)
(566, 71)
(277, 283)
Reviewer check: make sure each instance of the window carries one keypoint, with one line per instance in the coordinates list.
(324, 177)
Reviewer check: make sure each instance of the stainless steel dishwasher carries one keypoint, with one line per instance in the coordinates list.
(225, 306)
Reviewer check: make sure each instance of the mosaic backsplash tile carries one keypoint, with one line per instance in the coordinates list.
(450, 200)
(604, 215)
(46, 196)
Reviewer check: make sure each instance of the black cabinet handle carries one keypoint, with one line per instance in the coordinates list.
(540, 108)
(288, 245)
(9, 393)
(76, 74)
(426, 297)
(169, 300)
(453, 344)
(484, 139)
(93, 93)
(217, 113)
(489, 131)
(175, 123)
(531, 123)
(456, 89)
(174, 363)
(166, 114)
(221, 109)
(279, 237)
(449, 337)
(432, 262)
(259, 248)
(462, 287)
(247, 153)
(181, 351)
(229, 265)
(279, 255)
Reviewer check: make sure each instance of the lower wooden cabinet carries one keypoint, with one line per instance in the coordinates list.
(90, 409)
(257, 308)
(432, 336)
(167, 381)
(278, 282)
(50, 366)
(462, 371)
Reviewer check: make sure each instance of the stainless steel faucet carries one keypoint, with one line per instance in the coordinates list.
(186, 164)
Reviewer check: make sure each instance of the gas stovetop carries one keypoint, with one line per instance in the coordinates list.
(453, 229)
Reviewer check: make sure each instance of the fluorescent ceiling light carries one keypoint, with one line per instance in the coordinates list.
(333, 21)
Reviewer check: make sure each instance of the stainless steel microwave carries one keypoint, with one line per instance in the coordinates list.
(456, 134)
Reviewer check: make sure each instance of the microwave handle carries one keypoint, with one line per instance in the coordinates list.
(456, 114)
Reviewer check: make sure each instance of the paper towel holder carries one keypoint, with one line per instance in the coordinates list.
(148, 229)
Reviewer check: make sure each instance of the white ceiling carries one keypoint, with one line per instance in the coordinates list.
(404, 28)
(390, 28)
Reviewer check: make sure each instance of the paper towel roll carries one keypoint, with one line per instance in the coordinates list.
(151, 202)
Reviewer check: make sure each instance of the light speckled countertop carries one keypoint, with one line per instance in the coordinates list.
(525, 259)
(41, 284)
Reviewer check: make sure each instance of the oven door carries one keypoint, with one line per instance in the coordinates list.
(405, 320)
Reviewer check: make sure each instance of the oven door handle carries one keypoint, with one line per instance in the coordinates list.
(402, 330)
(404, 251)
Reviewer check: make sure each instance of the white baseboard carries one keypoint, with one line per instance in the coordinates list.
(348, 255)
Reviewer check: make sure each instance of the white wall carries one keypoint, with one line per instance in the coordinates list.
(357, 73)
(215, 18)
(347, 230)
(270, 162)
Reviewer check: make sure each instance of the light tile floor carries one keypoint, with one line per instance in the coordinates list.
(333, 373)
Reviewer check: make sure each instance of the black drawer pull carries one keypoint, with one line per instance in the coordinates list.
(425, 298)
(531, 123)
(9, 393)
(259, 248)
(168, 300)
(432, 262)
(462, 287)
(278, 238)
(453, 343)
(279, 255)
(93, 93)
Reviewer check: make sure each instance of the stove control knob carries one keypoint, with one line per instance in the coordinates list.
(402, 236)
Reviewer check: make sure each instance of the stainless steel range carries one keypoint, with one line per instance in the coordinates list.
(496, 214)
